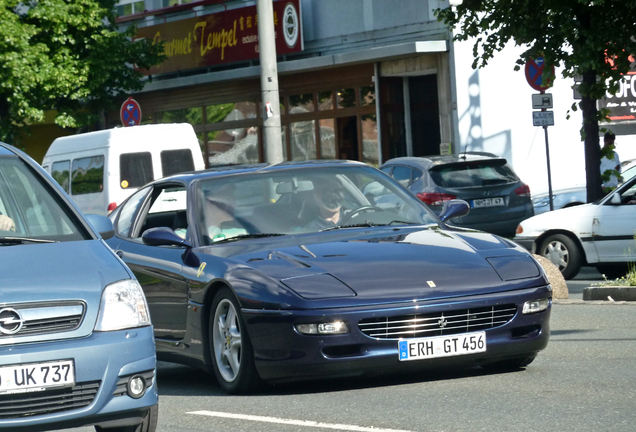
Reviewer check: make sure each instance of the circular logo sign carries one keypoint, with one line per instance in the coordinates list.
(290, 25)
(130, 112)
(10, 321)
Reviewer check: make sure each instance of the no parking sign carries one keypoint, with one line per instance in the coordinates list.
(535, 74)
(130, 112)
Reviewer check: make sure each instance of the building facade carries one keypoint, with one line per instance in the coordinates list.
(358, 79)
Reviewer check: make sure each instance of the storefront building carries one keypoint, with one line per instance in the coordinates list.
(358, 79)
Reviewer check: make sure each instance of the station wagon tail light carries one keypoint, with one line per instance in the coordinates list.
(123, 306)
(523, 190)
(435, 198)
(112, 206)
(323, 328)
(534, 306)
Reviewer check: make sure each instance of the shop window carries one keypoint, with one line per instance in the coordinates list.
(221, 112)
(135, 169)
(87, 175)
(129, 7)
(370, 139)
(346, 98)
(168, 3)
(327, 139)
(60, 171)
(325, 100)
(233, 146)
(302, 139)
(301, 103)
(367, 95)
(193, 115)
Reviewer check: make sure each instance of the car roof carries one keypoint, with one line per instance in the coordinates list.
(438, 160)
(223, 170)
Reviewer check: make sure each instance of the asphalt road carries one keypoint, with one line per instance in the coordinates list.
(583, 381)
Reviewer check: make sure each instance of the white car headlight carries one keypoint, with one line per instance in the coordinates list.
(123, 306)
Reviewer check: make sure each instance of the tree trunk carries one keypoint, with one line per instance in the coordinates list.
(591, 140)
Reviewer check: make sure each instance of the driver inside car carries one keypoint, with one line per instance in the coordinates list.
(325, 210)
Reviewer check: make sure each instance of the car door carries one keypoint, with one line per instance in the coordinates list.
(614, 226)
(159, 269)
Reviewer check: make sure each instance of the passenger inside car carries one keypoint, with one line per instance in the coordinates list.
(219, 215)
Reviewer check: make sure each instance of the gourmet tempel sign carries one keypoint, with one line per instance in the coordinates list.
(222, 37)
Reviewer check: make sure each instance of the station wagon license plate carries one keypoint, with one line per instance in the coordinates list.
(441, 346)
(488, 202)
(36, 376)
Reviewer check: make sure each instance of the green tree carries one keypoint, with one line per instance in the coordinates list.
(67, 56)
(591, 39)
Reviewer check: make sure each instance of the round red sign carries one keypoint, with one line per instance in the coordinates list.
(130, 112)
(535, 75)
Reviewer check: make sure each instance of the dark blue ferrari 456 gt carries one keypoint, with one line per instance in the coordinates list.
(266, 273)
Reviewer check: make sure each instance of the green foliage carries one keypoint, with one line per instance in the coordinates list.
(66, 56)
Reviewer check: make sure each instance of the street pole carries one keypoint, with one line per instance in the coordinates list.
(269, 82)
(547, 156)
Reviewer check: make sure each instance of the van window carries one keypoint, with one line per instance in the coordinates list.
(135, 169)
(88, 175)
(176, 161)
(60, 172)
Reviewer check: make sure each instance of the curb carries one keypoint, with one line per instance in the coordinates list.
(610, 293)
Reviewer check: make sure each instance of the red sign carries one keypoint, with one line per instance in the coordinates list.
(130, 112)
(223, 37)
(536, 76)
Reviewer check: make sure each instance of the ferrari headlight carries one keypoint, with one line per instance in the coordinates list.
(534, 306)
(323, 328)
(123, 306)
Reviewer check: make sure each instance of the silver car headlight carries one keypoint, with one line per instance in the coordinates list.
(123, 306)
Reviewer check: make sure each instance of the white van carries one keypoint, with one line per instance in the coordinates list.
(100, 169)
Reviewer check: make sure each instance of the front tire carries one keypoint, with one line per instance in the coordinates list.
(230, 348)
(564, 253)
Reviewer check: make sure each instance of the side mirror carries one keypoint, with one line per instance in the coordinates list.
(454, 208)
(163, 236)
(102, 225)
(616, 199)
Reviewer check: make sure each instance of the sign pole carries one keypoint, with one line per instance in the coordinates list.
(547, 157)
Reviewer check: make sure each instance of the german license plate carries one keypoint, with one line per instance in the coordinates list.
(441, 346)
(489, 202)
(36, 376)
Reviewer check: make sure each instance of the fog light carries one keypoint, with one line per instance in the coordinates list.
(534, 306)
(136, 386)
(324, 328)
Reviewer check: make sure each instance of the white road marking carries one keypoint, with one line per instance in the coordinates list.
(292, 422)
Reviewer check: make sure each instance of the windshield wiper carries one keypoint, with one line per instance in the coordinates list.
(247, 236)
(369, 224)
(23, 240)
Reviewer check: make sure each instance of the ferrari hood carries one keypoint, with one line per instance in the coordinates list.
(396, 263)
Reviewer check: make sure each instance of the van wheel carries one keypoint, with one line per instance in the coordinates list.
(230, 348)
(563, 252)
(148, 424)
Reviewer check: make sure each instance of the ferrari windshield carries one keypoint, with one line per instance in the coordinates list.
(302, 200)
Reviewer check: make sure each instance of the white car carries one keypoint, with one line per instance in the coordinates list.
(600, 233)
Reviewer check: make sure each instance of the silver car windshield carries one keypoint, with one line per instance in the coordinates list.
(29, 211)
(302, 200)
